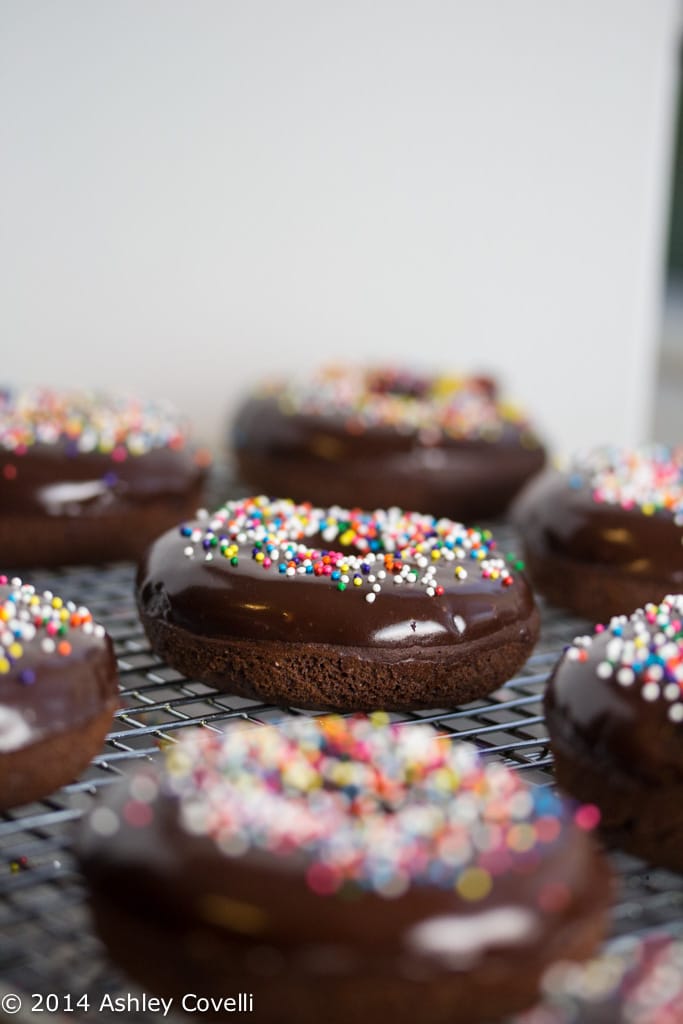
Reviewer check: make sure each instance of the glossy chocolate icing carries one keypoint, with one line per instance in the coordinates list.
(216, 599)
(613, 724)
(158, 866)
(183, 879)
(556, 518)
(324, 458)
(50, 480)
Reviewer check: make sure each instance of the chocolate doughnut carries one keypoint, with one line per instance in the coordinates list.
(377, 438)
(614, 710)
(335, 609)
(607, 535)
(58, 691)
(338, 869)
(637, 980)
(90, 478)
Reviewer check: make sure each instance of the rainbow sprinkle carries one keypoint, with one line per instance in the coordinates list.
(643, 650)
(83, 422)
(433, 407)
(649, 479)
(382, 546)
(28, 618)
(370, 805)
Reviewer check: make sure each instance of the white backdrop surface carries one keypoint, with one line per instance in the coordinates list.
(197, 192)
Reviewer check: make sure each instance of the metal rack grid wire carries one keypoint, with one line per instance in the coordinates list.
(46, 939)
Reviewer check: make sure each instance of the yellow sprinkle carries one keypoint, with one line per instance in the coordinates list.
(259, 556)
(4, 665)
(474, 884)
(357, 581)
(57, 602)
(347, 537)
(521, 838)
(648, 510)
(436, 555)
(379, 718)
(15, 650)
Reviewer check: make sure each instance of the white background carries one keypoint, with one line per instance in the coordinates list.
(195, 193)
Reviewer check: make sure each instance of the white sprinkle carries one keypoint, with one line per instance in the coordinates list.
(370, 597)
(676, 712)
(104, 821)
(459, 623)
(650, 691)
(626, 676)
(672, 691)
(604, 670)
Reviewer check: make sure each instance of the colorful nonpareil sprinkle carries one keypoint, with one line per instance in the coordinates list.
(82, 422)
(368, 805)
(644, 650)
(352, 549)
(635, 981)
(433, 406)
(649, 479)
(42, 621)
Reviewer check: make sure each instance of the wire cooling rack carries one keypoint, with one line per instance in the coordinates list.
(46, 941)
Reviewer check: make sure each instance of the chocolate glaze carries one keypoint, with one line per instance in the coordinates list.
(49, 480)
(612, 723)
(558, 519)
(215, 599)
(324, 459)
(146, 866)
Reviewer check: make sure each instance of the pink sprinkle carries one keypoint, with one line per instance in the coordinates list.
(119, 454)
(587, 817)
(322, 879)
(137, 813)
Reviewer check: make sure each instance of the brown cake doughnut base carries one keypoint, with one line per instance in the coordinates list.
(58, 691)
(393, 611)
(324, 867)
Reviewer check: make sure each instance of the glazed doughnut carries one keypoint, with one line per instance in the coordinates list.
(614, 710)
(606, 536)
(340, 869)
(377, 438)
(90, 478)
(637, 980)
(58, 691)
(336, 609)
